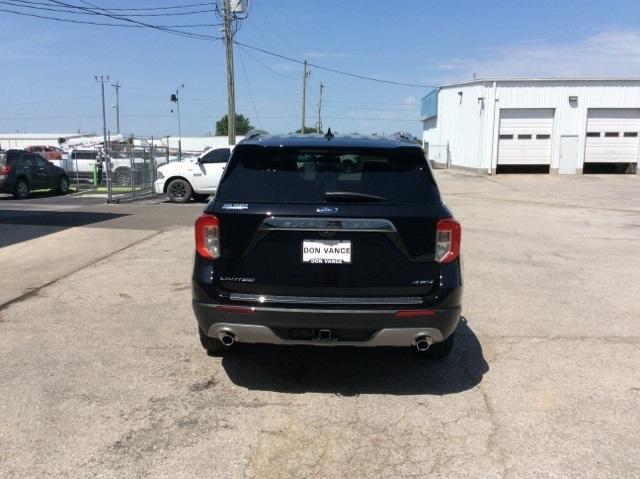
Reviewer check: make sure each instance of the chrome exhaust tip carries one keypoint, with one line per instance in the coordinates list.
(227, 338)
(423, 343)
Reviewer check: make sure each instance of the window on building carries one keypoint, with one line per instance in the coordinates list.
(593, 134)
(631, 134)
(543, 137)
(611, 134)
(524, 137)
(506, 137)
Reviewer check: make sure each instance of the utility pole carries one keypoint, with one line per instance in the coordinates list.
(231, 99)
(117, 86)
(102, 79)
(319, 123)
(305, 75)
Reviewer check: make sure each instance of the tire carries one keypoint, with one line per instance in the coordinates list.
(213, 346)
(21, 190)
(122, 177)
(201, 198)
(63, 185)
(179, 191)
(439, 350)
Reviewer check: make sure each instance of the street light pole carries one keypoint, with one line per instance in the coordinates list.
(175, 98)
(102, 79)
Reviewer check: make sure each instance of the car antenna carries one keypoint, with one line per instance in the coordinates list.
(328, 135)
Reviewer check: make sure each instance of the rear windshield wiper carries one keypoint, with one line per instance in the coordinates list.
(351, 196)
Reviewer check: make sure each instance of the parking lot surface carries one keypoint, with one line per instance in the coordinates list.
(103, 376)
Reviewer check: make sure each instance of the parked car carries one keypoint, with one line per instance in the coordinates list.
(295, 250)
(22, 172)
(182, 180)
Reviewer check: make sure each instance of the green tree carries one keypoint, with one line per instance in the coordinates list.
(308, 129)
(243, 125)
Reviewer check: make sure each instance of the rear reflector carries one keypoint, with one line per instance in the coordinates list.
(448, 236)
(235, 309)
(208, 236)
(414, 313)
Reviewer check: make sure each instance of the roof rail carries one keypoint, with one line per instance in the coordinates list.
(402, 136)
(255, 134)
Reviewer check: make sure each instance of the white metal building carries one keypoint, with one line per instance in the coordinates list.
(566, 126)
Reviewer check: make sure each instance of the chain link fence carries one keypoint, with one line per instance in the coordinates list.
(122, 172)
(129, 171)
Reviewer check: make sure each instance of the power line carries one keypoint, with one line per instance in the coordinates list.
(100, 24)
(121, 18)
(52, 8)
(200, 36)
(246, 78)
(332, 70)
(266, 66)
(174, 7)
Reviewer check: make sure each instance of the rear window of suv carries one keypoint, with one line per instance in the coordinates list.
(10, 157)
(259, 174)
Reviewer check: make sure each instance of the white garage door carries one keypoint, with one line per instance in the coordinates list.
(525, 136)
(612, 135)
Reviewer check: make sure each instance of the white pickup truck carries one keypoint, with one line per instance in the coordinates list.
(199, 178)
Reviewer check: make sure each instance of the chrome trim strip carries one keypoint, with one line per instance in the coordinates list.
(254, 333)
(266, 299)
(364, 225)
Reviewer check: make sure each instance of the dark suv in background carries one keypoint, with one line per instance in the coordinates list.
(297, 249)
(22, 172)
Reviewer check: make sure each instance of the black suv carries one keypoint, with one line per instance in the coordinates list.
(299, 248)
(21, 172)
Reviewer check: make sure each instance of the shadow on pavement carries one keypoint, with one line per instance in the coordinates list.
(35, 196)
(353, 371)
(44, 223)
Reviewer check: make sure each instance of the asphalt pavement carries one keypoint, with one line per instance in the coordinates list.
(103, 375)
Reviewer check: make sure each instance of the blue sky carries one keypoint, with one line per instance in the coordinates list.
(47, 81)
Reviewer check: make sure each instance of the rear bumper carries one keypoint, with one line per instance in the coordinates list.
(372, 327)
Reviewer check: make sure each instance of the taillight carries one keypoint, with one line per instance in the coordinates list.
(5, 170)
(448, 235)
(208, 236)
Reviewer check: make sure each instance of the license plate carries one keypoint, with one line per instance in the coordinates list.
(326, 251)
